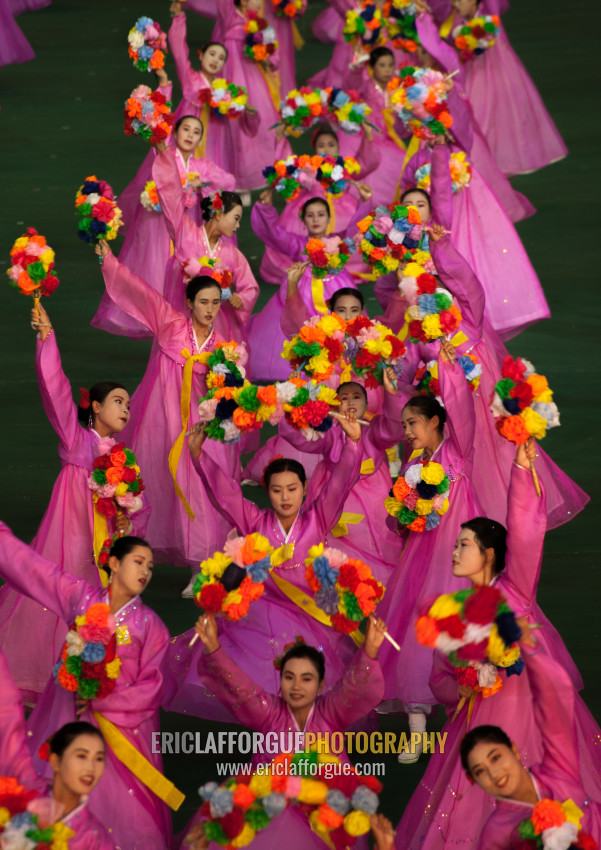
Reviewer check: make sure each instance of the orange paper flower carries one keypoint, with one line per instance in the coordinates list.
(426, 631)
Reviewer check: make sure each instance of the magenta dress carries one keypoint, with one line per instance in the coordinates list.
(156, 423)
(132, 707)
(274, 620)
(327, 26)
(14, 47)
(65, 534)
(284, 32)
(190, 242)
(265, 335)
(508, 107)
(558, 773)
(343, 208)
(425, 567)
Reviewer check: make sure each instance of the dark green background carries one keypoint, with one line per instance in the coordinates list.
(61, 120)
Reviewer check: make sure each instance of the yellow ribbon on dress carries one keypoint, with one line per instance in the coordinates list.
(447, 26)
(139, 765)
(100, 534)
(368, 466)
(317, 295)
(308, 605)
(299, 41)
(346, 519)
(272, 81)
(177, 447)
(458, 339)
(331, 199)
(415, 453)
(201, 147)
(389, 116)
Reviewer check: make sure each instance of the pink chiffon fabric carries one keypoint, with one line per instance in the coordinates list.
(327, 25)
(14, 47)
(156, 423)
(31, 635)
(287, 51)
(274, 620)
(144, 823)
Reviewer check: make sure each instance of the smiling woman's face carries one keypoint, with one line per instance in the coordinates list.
(496, 768)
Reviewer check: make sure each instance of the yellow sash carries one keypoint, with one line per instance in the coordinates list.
(272, 81)
(176, 449)
(368, 466)
(299, 41)
(201, 147)
(139, 764)
(415, 453)
(101, 532)
(412, 149)
(331, 228)
(317, 295)
(389, 116)
(346, 519)
(446, 27)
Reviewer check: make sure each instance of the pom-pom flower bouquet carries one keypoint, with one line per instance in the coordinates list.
(420, 497)
(98, 215)
(32, 264)
(328, 256)
(474, 37)
(400, 24)
(89, 663)
(426, 377)
(115, 480)
(147, 45)
(148, 114)
(459, 168)
(363, 26)
(290, 9)
(347, 109)
(335, 172)
(302, 108)
(555, 826)
(211, 267)
(432, 312)
(317, 347)
(260, 42)
(30, 822)
(478, 632)
(289, 175)
(371, 348)
(390, 236)
(419, 97)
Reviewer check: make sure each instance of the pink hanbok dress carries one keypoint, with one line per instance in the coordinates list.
(558, 773)
(285, 35)
(156, 423)
(190, 242)
(425, 567)
(354, 695)
(274, 620)
(222, 137)
(342, 209)
(147, 248)
(265, 335)
(31, 635)
(327, 26)
(133, 815)
(14, 47)
(508, 107)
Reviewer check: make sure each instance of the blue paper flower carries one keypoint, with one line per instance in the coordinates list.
(365, 800)
(338, 801)
(427, 303)
(260, 570)
(207, 790)
(508, 628)
(143, 22)
(93, 652)
(432, 521)
(324, 572)
(274, 804)
(516, 668)
(327, 600)
(222, 802)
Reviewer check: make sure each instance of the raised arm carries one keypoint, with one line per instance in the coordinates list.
(368, 154)
(266, 226)
(179, 48)
(246, 286)
(458, 276)
(212, 173)
(364, 208)
(226, 495)
(40, 579)
(330, 502)
(445, 55)
(441, 196)
(526, 526)
(171, 194)
(15, 758)
(459, 403)
(356, 694)
(56, 391)
(294, 315)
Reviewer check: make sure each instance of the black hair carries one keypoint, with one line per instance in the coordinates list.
(284, 464)
(481, 735)
(377, 53)
(197, 284)
(64, 737)
(97, 393)
(324, 130)
(489, 535)
(301, 650)
(211, 44)
(422, 192)
(427, 406)
(315, 200)
(230, 200)
(123, 546)
(353, 384)
(181, 120)
(340, 293)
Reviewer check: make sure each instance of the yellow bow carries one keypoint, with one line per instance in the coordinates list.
(346, 519)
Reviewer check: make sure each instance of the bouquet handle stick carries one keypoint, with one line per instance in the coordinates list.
(193, 641)
(452, 74)
(36, 300)
(460, 705)
(534, 474)
(344, 418)
(391, 640)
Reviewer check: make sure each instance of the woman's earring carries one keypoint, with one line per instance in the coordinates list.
(90, 420)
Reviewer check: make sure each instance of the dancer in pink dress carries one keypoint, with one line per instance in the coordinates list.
(301, 708)
(510, 561)
(264, 332)
(492, 760)
(325, 142)
(14, 47)
(507, 105)
(147, 247)
(327, 26)
(284, 610)
(191, 243)
(289, 41)
(142, 640)
(177, 538)
(66, 533)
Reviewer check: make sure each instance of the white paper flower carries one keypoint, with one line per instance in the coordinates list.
(487, 675)
(136, 39)
(560, 837)
(75, 643)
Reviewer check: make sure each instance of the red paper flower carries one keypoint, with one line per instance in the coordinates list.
(106, 507)
(452, 625)
(513, 368)
(211, 598)
(426, 283)
(473, 651)
(466, 676)
(416, 332)
(355, 325)
(481, 606)
(523, 393)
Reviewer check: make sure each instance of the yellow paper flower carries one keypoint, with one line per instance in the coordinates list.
(260, 785)
(431, 326)
(572, 812)
(312, 791)
(264, 412)
(121, 489)
(21, 242)
(81, 620)
(61, 835)
(357, 823)
(4, 815)
(423, 507)
(113, 668)
(413, 269)
(328, 395)
(392, 505)
(444, 606)
(496, 648)
(433, 473)
(390, 262)
(215, 567)
(314, 552)
(444, 508)
(251, 26)
(536, 425)
(244, 837)
(47, 257)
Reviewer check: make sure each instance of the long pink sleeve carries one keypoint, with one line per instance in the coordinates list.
(458, 276)
(329, 504)
(211, 173)
(443, 681)
(246, 286)
(235, 689)
(445, 55)
(441, 196)
(136, 297)
(179, 48)
(322, 446)
(356, 694)
(369, 156)
(179, 225)
(266, 226)
(294, 315)
(526, 526)
(56, 391)
(226, 495)
(386, 429)
(459, 404)
(15, 758)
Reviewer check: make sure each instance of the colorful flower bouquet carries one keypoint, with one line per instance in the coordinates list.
(426, 377)
(291, 9)
(229, 581)
(400, 24)
(344, 587)
(474, 37)
(478, 632)
(149, 197)
(419, 97)
(303, 108)
(317, 347)
(555, 826)
(289, 175)
(231, 405)
(328, 256)
(335, 172)
(389, 236)
(420, 497)
(210, 267)
(115, 480)
(307, 406)
(89, 663)
(98, 215)
(432, 313)
(147, 45)
(347, 108)
(30, 822)
(459, 168)
(371, 348)
(363, 26)
(225, 99)
(522, 403)
(260, 42)
(148, 114)
(32, 263)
